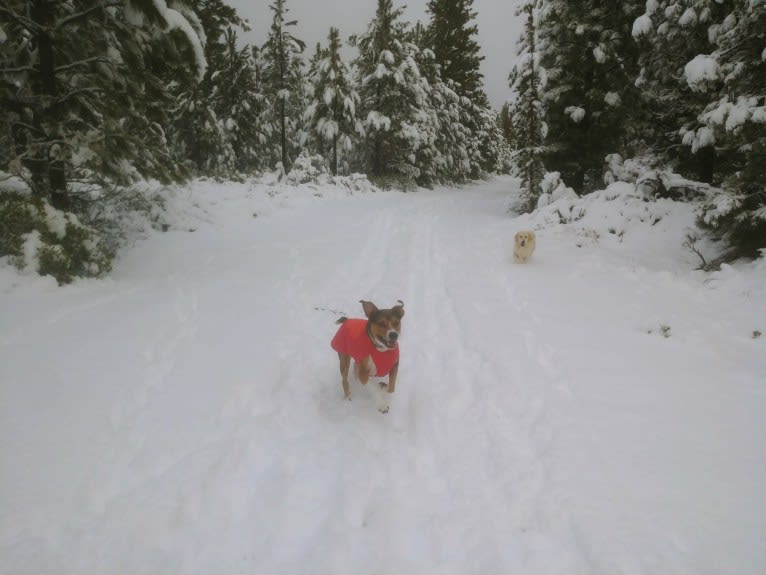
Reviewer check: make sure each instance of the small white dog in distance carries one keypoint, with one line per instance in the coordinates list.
(523, 246)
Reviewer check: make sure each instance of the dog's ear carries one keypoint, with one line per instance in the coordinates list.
(531, 235)
(368, 307)
(398, 310)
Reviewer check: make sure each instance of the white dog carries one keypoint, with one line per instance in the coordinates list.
(523, 246)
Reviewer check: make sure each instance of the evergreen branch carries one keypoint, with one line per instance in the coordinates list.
(69, 95)
(95, 59)
(80, 15)
(22, 176)
(29, 127)
(18, 69)
(30, 25)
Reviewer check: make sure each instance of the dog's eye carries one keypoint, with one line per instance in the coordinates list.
(382, 324)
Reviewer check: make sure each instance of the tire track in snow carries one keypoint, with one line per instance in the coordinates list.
(454, 388)
(510, 377)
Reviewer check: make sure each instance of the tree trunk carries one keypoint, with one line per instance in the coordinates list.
(283, 135)
(334, 155)
(48, 173)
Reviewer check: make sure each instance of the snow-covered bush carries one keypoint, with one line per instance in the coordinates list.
(619, 169)
(554, 189)
(36, 237)
(739, 219)
(306, 169)
(121, 215)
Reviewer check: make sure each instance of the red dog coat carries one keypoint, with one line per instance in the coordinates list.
(352, 339)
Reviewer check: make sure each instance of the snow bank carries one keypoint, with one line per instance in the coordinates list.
(650, 232)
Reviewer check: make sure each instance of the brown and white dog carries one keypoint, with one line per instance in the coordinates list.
(373, 344)
(523, 246)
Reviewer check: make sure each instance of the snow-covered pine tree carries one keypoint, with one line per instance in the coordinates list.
(262, 130)
(215, 122)
(391, 94)
(732, 78)
(487, 139)
(444, 155)
(527, 112)
(505, 139)
(587, 52)
(332, 112)
(238, 104)
(431, 119)
(310, 145)
(283, 85)
(452, 37)
(671, 34)
(207, 114)
(505, 120)
(81, 97)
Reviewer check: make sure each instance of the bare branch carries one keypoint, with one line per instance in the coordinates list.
(691, 244)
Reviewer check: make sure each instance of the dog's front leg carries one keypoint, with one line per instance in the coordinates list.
(392, 377)
(345, 364)
(364, 370)
(386, 390)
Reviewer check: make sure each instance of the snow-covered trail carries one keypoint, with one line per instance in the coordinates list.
(187, 415)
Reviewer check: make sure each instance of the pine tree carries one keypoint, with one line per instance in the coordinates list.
(444, 155)
(505, 121)
(205, 117)
(670, 34)
(588, 54)
(737, 115)
(505, 137)
(79, 100)
(527, 111)
(390, 90)
(283, 85)
(333, 120)
(238, 104)
(217, 120)
(261, 131)
(452, 37)
(732, 125)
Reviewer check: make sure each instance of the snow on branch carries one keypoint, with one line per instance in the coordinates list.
(701, 69)
(177, 21)
(576, 113)
(84, 13)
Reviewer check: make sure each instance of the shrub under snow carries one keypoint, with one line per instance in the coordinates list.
(38, 238)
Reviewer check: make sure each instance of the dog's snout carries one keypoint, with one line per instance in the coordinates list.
(393, 336)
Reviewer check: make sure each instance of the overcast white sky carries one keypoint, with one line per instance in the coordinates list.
(498, 29)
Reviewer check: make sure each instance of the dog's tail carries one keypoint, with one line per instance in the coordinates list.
(341, 319)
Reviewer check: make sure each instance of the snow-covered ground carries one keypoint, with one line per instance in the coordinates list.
(599, 410)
